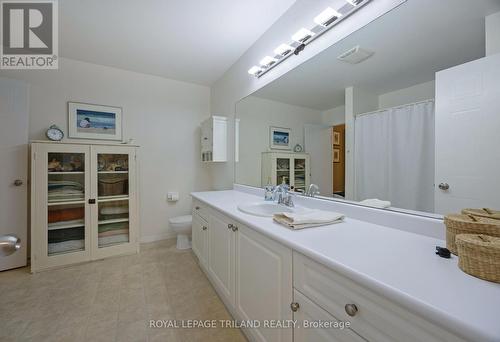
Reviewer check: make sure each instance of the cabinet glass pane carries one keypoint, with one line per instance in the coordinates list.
(113, 223)
(66, 203)
(113, 202)
(282, 170)
(66, 228)
(300, 174)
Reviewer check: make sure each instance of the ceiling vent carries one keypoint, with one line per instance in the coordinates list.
(355, 55)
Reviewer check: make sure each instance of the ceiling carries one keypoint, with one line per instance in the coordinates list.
(411, 44)
(189, 40)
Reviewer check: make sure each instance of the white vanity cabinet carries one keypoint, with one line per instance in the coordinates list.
(221, 255)
(263, 283)
(372, 317)
(251, 273)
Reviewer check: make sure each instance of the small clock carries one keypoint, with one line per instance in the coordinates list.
(54, 133)
(298, 148)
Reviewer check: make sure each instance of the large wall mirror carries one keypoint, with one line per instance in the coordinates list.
(393, 127)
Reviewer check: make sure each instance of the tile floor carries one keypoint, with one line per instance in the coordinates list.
(113, 300)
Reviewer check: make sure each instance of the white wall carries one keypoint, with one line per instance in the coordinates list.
(419, 92)
(334, 116)
(493, 34)
(256, 116)
(162, 116)
(236, 83)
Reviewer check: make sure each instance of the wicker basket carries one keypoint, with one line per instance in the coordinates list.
(479, 255)
(113, 186)
(484, 212)
(468, 224)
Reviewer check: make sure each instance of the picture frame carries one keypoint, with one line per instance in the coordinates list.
(97, 122)
(279, 138)
(336, 155)
(336, 138)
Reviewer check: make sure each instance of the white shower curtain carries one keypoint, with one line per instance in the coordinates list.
(394, 156)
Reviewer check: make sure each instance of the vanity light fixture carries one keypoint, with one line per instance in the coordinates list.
(303, 37)
(327, 17)
(283, 50)
(268, 61)
(255, 70)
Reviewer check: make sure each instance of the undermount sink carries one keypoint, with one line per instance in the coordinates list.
(264, 209)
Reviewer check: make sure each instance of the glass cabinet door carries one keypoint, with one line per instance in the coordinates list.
(299, 174)
(65, 203)
(113, 202)
(283, 171)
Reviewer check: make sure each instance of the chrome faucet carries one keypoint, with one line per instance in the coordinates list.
(282, 194)
(313, 190)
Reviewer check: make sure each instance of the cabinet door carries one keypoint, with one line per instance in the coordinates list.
(199, 239)
(60, 210)
(300, 174)
(283, 170)
(114, 215)
(309, 313)
(221, 255)
(263, 283)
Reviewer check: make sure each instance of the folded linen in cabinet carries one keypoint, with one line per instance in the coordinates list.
(113, 232)
(308, 219)
(376, 203)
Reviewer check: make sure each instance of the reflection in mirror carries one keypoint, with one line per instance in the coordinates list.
(407, 119)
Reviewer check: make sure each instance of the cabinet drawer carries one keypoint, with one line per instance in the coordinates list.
(310, 313)
(376, 319)
(200, 209)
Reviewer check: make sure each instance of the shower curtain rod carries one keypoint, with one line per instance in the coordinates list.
(396, 107)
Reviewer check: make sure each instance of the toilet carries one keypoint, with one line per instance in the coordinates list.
(181, 225)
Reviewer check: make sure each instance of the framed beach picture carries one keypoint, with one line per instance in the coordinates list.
(89, 121)
(279, 138)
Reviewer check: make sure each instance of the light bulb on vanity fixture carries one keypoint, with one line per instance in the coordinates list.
(354, 2)
(302, 35)
(328, 16)
(255, 70)
(268, 61)
(283, 50)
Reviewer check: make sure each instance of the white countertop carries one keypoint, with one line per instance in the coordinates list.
(398, 265)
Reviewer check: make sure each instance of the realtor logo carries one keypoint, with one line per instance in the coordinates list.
(29, 34)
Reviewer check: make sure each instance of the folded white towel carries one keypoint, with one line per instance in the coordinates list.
(376, 203)
(308, 218)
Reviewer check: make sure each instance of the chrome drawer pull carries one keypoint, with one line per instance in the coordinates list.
(351, 309)
(295, 307)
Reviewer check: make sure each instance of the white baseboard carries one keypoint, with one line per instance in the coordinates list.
(158, 237)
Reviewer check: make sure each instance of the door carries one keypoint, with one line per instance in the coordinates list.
(318, 144)
(263, 283)
(310, 313)
(114, 213)
(467, 136)
(60, 209)
(338, 134)
(221, 255)
(199, 239)
(14, 126)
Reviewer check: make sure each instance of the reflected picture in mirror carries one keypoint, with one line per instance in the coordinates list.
(387, 130)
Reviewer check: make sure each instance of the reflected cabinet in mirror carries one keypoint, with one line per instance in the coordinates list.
(414, 127)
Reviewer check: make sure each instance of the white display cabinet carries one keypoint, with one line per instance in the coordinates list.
(214, 139)
(291, 168)
(83, 203)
